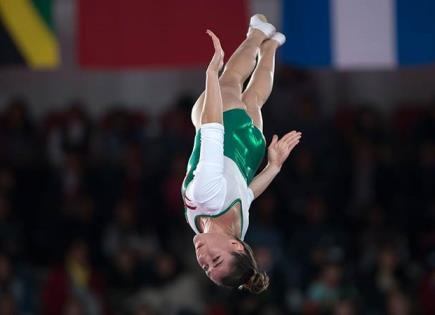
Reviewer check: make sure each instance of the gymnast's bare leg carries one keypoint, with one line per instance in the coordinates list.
(261, 82)
(237, 70)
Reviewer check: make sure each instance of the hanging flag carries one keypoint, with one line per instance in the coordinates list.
(156, 33)
(27, 34)
(355, 34)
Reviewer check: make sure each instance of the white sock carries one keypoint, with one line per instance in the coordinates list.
(279, 37)
(267, 28)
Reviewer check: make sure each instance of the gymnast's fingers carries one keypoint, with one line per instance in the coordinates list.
(293, 138)
(216, 42)
(274, 141)
(292, 145)
(290, 135)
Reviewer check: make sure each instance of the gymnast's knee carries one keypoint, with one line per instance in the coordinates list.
(231, 78)
(253, 99)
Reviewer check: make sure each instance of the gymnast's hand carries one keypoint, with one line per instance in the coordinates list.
(279, 150)
(217, 61)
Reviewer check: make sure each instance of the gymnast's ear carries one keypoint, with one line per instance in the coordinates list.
(237, 245)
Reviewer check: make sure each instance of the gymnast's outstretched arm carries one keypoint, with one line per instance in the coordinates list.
(278, 152)
(209, 187)
(212, 111)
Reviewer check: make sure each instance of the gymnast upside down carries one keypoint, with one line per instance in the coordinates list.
(229, 146)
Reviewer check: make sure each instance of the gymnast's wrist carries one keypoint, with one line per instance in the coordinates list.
(274, 167)
(212, 72)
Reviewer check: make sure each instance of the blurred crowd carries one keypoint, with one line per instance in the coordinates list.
(92, 223)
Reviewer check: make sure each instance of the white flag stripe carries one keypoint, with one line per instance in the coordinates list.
(363, 33)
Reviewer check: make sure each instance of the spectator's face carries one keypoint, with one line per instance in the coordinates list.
(214, 254)
(7, 305)
(125, 261)
(144, 310)
(304, 162)
(17, 114)
(73, 307)
(5, 268)
(315, 211)
(398, 304)
(427, 155)
(79, 253)
(375, 216)
(86, 210)
(266, 207)
(344, 308)
(73, 161)
(388, 258)
(332, 275)
(178, 165)
(125, 214)
(264, 257)
(4, 208)
(7, 180)
(308, 109)
(166, 266)
(432, 111)
(367, 120)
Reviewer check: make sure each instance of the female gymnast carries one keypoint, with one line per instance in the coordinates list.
(229, 146)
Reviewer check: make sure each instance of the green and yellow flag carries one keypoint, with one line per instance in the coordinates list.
(27, 35)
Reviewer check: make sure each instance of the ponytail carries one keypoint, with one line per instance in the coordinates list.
(257, 283)
(245, 274)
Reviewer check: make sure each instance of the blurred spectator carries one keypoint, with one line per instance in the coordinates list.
(7, 180)
(73, 307)
(425, 128)
(75, 279)
(398, 304)
(71, 133)
(374, 233)
(171, 189)
(345, 307)
(124, 277)
(364, 174)
(143, 309)
(427, 288)
(313, 239)
(263, 231)
(267, 243)
(18, 139)
(80, 221)
(174, 291)
(329, 288)
(303, 179)
(7, 305)
(17, 290)
(11, 236)
(177, 131)
(119, 129)
(291, 87)
(135, 173)
(388, 275)
(125, 231)
(425, 177)
(315, 129)
(369, 126)
(343, 231)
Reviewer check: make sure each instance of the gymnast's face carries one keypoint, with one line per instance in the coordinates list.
(214, 254)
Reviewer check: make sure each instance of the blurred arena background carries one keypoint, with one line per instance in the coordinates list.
(95, 132)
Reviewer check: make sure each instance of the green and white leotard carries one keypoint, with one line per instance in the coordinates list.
(243, 149)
